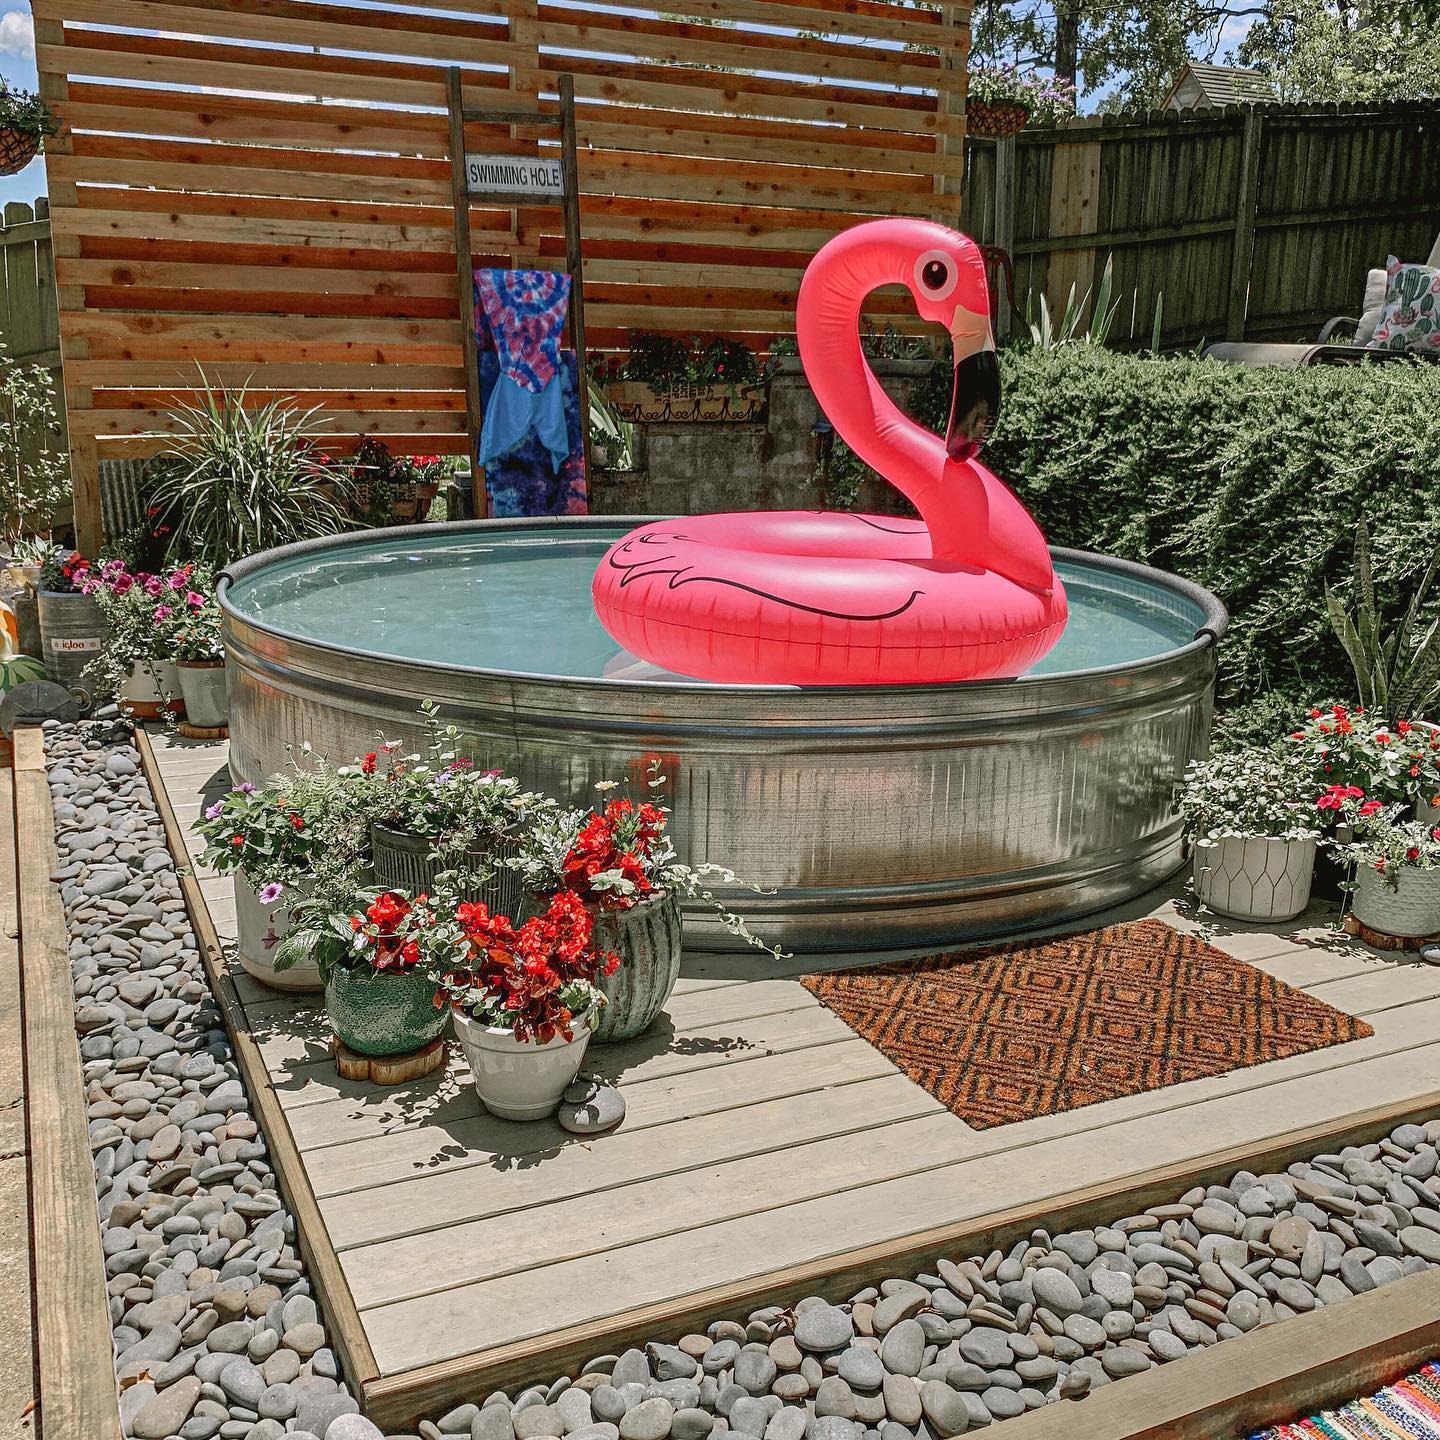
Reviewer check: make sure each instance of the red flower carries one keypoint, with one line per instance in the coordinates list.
(237, 839)
(1404, 726)
(367, 765)
(1370, 807)
(297, 821)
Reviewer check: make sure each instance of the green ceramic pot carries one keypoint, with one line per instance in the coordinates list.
(647, 938)
(390, 1013)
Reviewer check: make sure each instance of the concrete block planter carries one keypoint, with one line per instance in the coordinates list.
(1262, 880)
(520, 1079)
(383, 1013)
(202, 684)
(1410, 908)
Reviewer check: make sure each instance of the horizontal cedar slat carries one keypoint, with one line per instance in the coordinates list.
(267, 302)
(380, 400)
(177, 374)
(159, 274)
(102, 423)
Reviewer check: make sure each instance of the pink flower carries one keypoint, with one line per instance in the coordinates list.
(212, 812)
(163, 612)
(152, 585)
(269, 894)
(177, 581)
(193, 599)
(245, 788)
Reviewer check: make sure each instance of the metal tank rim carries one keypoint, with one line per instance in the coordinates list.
(1208, 633)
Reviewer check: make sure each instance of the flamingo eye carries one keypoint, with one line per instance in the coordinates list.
(935, 274)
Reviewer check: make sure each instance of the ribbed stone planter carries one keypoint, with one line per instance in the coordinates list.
(402, 862)
(377, 1013)
(72, 631)
(647, 938)
(202, 683)
(1261, 879)
(1410, 908)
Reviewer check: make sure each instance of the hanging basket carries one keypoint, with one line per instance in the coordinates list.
(995, 119)
(17, 149)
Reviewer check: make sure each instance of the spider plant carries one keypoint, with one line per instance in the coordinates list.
(609, 429)
(1397, 674)
(238, 478)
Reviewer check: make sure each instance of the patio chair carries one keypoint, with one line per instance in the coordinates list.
(1325, 350)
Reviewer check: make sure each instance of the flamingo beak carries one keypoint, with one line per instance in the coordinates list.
(975, 401)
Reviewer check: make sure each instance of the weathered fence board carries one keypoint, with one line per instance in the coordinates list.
(1267, 241)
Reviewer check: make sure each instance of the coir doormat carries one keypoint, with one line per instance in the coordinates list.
(1033, 1027)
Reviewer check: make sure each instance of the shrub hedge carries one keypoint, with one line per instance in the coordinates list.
(1248, 481)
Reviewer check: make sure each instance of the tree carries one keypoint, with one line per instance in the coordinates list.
(1314, 49)
(1349, 49)
(1138, 46)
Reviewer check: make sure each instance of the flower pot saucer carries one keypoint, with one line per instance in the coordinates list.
(203, 732)
(1379, 940)
(387, 1069)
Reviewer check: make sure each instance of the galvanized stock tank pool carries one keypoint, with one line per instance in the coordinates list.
(878, 816)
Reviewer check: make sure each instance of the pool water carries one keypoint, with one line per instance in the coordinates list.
(518, 601)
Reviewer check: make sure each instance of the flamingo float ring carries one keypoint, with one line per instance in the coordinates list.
(835, 598)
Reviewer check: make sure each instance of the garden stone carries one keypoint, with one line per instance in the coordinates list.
(691, 1424)
(669, 1362)
(494, 1422)
(165, 1412)
(865, 1370)
(892, 1309)
(602, 1111)
(606, 1403)
(538, 1420)
(823, 1328)
(632, 1368)
(1166, 1346)
(1001, 1403)
(944, 1408)
(902, 1352)
(964, 1375)
(1422, 1241)
(243, 1383)
(902, 1399)
(722, 1355)
(832, 1427)
(351, 1426)
(602, 1430)
(650, 1420)
(834, 1397)
(748, 1416)
(1120, 1361)
(755, 1371)
(319, 1412)
(986, 1347)
(1056, 1291)
(787, 1423)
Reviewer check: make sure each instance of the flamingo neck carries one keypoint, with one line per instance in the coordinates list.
(949, 495)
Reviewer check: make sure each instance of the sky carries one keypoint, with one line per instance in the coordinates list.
(17, 68)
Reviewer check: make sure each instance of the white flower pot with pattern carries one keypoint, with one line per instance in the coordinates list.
(1409, 909)
(520, 1079)
(1264, 879)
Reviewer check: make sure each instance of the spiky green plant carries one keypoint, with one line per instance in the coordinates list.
(1397, 676)
(238, 478)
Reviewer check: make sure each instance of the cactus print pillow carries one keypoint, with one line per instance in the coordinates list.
(1411, 318)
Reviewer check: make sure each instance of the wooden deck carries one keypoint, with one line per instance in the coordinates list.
(767, 1151)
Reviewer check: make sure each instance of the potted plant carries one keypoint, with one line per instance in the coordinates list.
(664, 378)
(524, 1000)
(1000, 101)
(26, 121)
(434, 816)
(377, 956)
(620, 863)
(283, 843)
(1251, 818)
(1397, 871)
(237, 477)
(386, 489)
(199, 656)
(72, 626)
(136, 664)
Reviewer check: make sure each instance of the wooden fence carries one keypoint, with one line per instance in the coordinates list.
(261, 186)
(29, 326)
(1258, 221)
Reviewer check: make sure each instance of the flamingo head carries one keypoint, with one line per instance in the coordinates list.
(948, 282)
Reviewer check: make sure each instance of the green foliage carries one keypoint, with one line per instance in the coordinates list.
(664, 361)
(610, 429)
(1251, 482)
(34, 472)
(239, 478)
(1397, 669)
(26, 112)
(1333, 50)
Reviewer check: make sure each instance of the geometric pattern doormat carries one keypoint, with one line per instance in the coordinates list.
(1033, 1027)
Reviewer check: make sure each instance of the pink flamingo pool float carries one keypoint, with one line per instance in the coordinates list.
(834, 598)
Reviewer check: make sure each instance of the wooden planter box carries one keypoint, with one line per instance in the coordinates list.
(686, 404)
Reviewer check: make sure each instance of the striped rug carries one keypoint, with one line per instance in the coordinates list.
(1407, 1410)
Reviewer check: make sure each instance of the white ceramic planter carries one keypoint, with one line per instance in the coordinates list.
(520, 1080)
(152, 687)
(253, 923)
(1410, 910)
(1264, 880)
(203, 686)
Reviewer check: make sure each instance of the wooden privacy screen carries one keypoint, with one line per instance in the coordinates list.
(262, 186)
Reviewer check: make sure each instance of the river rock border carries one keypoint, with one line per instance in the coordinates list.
(217, 1334)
